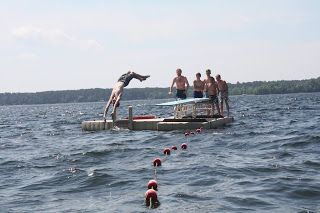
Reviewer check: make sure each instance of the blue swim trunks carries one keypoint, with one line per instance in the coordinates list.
(197, 94)
(126, 78)
(181, 94)
(214, 99)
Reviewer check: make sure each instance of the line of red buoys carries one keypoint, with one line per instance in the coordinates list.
(151, 196)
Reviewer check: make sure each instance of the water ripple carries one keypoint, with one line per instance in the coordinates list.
(266, 161)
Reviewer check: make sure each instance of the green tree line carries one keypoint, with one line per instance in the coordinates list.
(98, 94)
(275, 87)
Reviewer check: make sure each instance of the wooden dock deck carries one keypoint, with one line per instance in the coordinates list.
(157, 124)
(178, 122)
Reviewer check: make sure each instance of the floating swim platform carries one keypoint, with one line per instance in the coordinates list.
(182, 119)
(158, 124)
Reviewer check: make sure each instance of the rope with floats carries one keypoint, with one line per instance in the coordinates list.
(151, 196)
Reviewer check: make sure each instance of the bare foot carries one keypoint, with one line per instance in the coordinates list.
(145, 77)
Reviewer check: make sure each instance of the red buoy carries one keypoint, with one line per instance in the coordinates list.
(151, 198)
(157, 162)
(152, 184)
(166, 151)
(187, 133)
(174, 148)
(184, 146)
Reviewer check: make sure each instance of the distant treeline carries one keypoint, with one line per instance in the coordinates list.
(275, 87)
(93, 95)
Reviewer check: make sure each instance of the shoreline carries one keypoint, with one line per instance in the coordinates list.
(150, 93)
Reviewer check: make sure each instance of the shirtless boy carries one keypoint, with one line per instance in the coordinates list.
(198, 87)
(206, 80)
(117, 90)
(212, 89)
(182, 85)
(223, 93)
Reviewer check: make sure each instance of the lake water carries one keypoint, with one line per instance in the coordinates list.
(268, 160)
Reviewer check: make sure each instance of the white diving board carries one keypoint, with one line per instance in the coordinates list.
(184, 101)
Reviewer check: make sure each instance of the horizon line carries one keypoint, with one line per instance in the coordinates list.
(60, 90)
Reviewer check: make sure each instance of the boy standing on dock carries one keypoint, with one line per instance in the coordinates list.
(198, 87)
(223, 93)
(206, 81)
(182, 85)
(212, 89)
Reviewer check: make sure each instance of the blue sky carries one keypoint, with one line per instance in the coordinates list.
(75, 44)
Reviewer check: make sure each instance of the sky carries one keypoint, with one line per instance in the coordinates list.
(79, 44)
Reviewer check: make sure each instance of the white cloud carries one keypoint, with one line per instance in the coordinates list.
(30, 32)
(53, 36)
(92, 44)
(28, 57)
